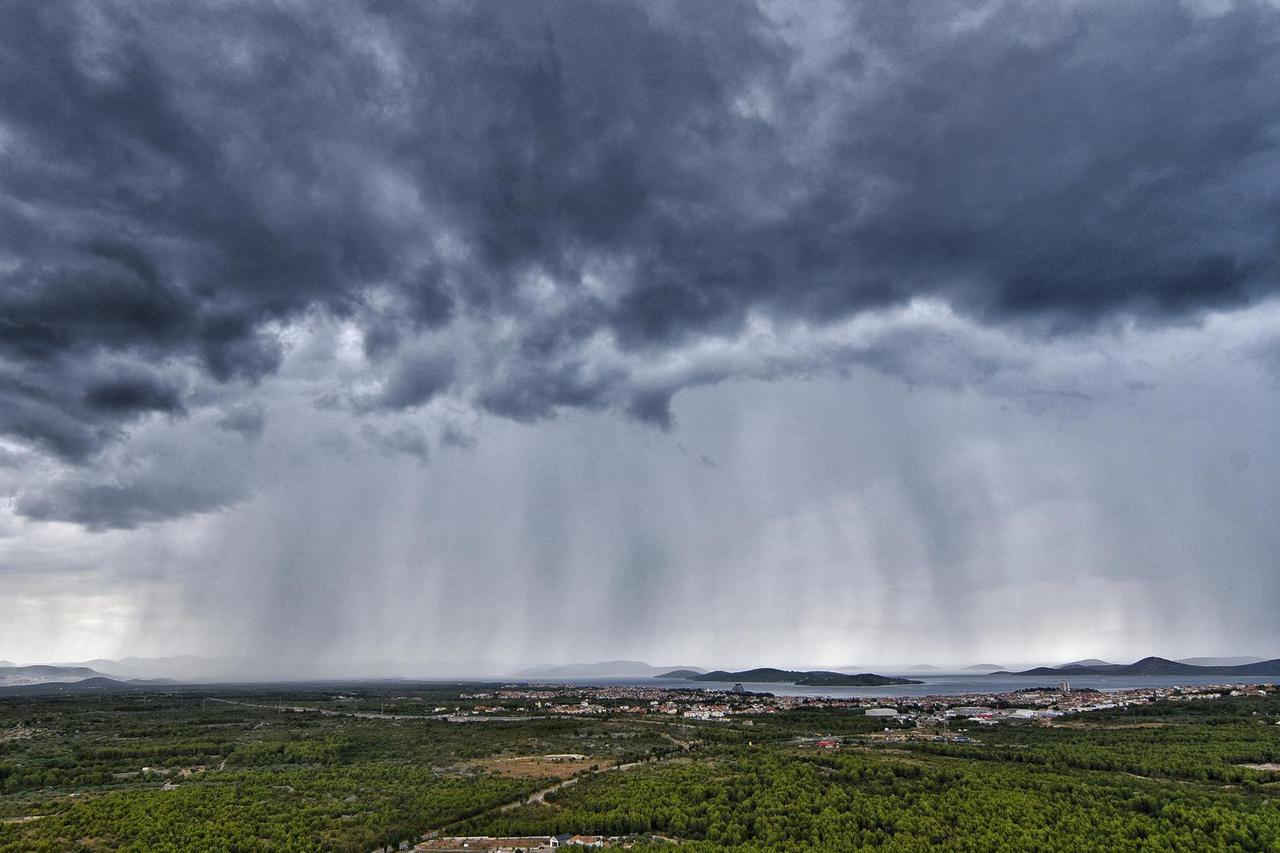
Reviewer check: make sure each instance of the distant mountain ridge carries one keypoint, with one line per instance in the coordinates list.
(600, 669)
(1238, 660)
(806, 678)
(134, 672)
(1154, 666)
(184, 667)
(18, 676)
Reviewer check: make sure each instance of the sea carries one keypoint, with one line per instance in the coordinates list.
(933, 684)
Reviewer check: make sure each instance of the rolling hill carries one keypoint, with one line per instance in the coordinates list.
(94, 684)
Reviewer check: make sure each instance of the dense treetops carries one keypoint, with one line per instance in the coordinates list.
(1170, 776)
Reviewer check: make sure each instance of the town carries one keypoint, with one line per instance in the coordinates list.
(520, 766)
(1028, 704)
(934, 719)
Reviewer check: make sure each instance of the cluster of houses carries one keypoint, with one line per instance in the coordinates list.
(1027, 705)
(515, 844)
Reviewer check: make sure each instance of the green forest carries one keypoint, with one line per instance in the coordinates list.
(249, 777)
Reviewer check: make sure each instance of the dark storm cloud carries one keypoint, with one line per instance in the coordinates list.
(152, 496)
(180, 183)
(415, 380)
(71, 409)
(531, 391)
(1079, 161)
(133, 392)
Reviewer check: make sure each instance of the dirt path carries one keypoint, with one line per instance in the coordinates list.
(536, 798)
(540, 797)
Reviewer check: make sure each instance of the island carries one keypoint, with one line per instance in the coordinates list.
(809, 678)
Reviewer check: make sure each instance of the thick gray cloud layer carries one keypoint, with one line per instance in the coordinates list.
(181, 182)
(237, 235)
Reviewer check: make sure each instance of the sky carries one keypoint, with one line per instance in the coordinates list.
(457, 337)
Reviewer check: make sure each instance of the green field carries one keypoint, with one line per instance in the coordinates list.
(237, 778)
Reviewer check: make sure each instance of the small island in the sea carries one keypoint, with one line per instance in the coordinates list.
(810, 678)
